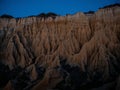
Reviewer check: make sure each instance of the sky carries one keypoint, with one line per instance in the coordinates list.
(23, 8)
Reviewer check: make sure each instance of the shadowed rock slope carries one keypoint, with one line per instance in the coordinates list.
(74, 52)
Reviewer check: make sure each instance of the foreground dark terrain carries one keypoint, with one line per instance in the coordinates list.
(50, 52)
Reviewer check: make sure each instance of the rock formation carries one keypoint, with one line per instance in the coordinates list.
(75, 52)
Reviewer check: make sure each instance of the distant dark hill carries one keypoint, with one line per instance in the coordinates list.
(6, 16)
(50, 14)
(112, 5)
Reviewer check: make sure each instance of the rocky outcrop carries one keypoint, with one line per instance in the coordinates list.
(80, 51)
(9, 86)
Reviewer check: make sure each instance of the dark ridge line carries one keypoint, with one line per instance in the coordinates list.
(6, 16)
(53, 15)
(89, 12)
(112, 5)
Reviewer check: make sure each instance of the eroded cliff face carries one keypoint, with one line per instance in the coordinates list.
(80, 51)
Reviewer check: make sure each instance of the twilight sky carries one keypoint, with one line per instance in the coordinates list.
(22, 8)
